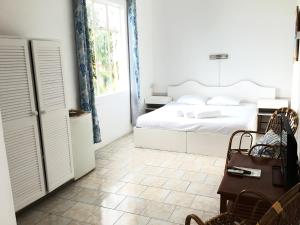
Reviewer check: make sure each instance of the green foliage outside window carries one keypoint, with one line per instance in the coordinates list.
(106, 54)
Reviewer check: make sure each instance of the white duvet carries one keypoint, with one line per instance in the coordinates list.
(229, 119)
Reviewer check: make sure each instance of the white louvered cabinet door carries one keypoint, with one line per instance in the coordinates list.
(20, 124)
(54, 115)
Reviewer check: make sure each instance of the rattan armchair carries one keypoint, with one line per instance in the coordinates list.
(240, 213)
(286, 211)
(273, 124)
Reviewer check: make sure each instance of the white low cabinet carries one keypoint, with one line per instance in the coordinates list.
(82, 144)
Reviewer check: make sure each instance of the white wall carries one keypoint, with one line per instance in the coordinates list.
(258, 36)
(145, 36)
(7, 211)
(114, 115)
(49, 19)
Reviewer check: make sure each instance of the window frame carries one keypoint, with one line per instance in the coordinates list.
(123, 80)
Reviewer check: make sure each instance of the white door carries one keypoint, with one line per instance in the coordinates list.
(21, 132)
(7, 210)
(54, 115)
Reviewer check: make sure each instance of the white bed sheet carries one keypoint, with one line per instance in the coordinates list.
(232, 118)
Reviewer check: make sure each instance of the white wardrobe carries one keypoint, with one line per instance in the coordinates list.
(35, 118)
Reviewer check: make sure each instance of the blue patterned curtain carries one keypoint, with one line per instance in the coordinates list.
(86, 64)
(134, 62)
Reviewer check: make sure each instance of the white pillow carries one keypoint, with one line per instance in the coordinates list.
(222, 100)
(191, 100)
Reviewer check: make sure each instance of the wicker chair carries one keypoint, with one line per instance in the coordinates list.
(285, 211)
(273, 124)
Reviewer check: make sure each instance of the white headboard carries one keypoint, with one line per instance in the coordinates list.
(247, 91)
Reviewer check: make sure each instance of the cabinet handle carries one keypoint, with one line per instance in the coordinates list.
(34, 113)
(43, 112)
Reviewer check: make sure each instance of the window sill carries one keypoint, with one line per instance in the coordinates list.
(100, 97)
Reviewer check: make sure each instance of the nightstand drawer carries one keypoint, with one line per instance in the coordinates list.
(266, 107)
(158, 100)
(155, 102)
(272, 103)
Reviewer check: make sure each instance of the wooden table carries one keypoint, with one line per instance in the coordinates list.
(232, 185)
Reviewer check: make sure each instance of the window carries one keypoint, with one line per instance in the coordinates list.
(108, 31)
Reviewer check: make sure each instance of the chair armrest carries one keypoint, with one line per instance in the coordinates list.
(255, 215)
(195, 218)
(242, 134)
(266, 146)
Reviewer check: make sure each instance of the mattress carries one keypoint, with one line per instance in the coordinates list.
(232, 118)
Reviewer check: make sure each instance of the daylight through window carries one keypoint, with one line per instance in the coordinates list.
(107, 31)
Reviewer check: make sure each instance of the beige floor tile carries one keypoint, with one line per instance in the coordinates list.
(155, 194)
(159, 222)
(133, 205)
(117, 164)
(220, 162)
(215, 170)
(117, 174)
(205, 160)
(155, 162)
(122, 168)
(88, 196)
(101, 171)
(132, 190)
(196, 167)
(92, 214)
(111, 186)
(87, 183)
(104, 216)
(180, 199)
(172, 173)
(74, 222)
(158, 210)
(154, 181)
(213, 179)
(203, 189)
(54, 205)
(172, 164)
(102, 162)
(54, 220)
(206, 204)
(208, 215)
(109, 200)
(68, 192)
(152, 170)
(131, 219)
(194, 176)
(176, 185)
(80, 212)
(134, 178)
(180, 213)
(30, 217)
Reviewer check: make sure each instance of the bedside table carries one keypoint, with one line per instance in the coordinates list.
(156, 102)
(266, 107)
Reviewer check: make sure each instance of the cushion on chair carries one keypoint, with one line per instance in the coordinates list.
(270, 138)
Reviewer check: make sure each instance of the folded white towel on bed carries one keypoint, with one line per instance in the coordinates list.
(190, 115)
(209, 114)
(180, 113)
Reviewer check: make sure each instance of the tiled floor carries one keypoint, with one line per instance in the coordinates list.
(132, 186)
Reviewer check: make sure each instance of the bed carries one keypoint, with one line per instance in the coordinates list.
(164, 129)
